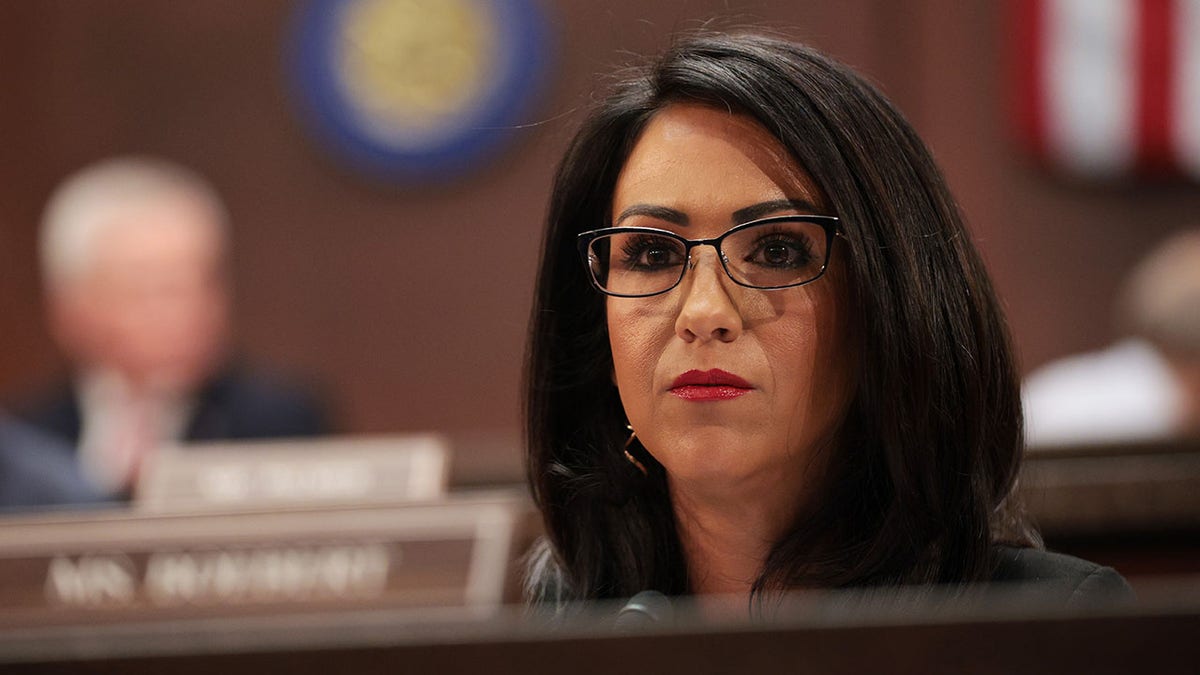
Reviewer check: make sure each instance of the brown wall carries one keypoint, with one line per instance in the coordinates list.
(347, 280)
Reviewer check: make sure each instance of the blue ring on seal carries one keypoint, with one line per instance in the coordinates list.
(522, 51)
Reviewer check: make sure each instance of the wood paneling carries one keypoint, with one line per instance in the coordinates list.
(410, 303)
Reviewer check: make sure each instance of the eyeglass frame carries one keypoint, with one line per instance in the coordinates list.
(583, 242)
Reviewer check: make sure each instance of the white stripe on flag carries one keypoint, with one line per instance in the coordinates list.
(1089, 81)
(1186, 106)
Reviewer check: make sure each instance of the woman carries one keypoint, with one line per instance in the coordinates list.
(764, 353)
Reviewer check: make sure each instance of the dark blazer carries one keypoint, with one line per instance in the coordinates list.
(38, 471)
(1039, 578)
(1059, 579)
(236, 404)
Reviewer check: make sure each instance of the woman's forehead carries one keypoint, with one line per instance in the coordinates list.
(692, 156)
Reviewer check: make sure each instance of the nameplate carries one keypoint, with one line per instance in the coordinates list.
(226, 475)
(120, 566)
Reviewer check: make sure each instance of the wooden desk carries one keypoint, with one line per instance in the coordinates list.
(1135, 507)
(994, 637)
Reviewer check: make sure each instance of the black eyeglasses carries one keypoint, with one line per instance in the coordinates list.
(769, 253)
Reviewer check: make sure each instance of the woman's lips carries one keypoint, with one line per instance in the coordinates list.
(709, 385)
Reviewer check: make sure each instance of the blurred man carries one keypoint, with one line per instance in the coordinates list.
(134, 261)
(1145, 387)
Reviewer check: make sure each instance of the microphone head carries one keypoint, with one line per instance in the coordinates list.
(645, 609)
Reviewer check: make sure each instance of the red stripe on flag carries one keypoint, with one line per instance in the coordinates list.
(1029, 20)
(1155, 74)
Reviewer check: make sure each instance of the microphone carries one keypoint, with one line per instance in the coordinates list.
(647, 608)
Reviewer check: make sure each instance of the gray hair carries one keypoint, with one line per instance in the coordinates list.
(1161, 300)
(83, 205)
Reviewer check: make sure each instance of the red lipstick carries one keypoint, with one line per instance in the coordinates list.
(709, 385)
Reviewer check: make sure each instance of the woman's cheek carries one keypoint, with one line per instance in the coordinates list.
(638, 339)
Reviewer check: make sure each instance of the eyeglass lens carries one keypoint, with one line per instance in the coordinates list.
(770, 255)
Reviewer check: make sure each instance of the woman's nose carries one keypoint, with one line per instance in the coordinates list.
(708, 311)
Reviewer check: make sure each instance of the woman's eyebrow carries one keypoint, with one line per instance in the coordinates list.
(660, 212)
(764, 209)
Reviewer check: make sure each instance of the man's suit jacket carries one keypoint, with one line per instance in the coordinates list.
(236, 404)
(38, 471)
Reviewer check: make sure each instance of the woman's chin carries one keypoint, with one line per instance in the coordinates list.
(717, 466)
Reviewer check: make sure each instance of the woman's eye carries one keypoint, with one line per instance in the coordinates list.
(782, 252)
(651, 253)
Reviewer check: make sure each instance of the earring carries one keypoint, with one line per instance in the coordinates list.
(628, 455)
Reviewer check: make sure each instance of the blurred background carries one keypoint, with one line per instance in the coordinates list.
(406, 300)
(399, 290)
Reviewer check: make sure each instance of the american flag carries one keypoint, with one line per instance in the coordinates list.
(1108, 88)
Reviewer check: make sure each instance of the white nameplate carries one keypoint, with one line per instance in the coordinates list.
(257, 474)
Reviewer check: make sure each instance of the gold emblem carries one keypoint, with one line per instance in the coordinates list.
(412, 69)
